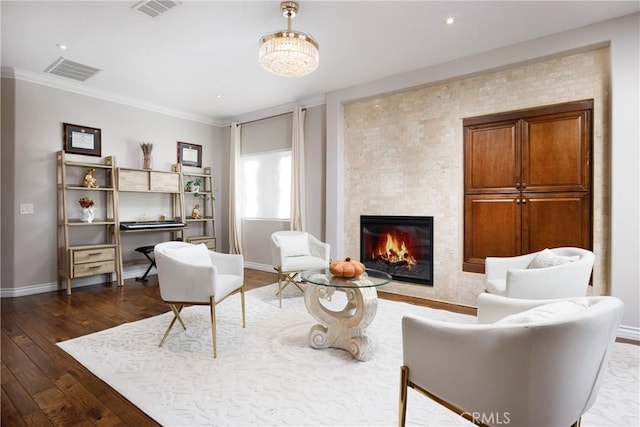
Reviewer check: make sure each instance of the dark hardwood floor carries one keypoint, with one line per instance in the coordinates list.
(42, 385)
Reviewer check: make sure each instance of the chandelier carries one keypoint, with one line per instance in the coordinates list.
(289, 53)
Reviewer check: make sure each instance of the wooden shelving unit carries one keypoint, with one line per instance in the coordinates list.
(87, 248)
(200, 230)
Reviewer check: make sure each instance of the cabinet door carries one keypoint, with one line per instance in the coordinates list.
(492, 157)
(554, 220)
(492, 228)
(556, 152)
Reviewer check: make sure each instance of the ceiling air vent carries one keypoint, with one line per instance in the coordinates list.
(73, 70)
(154, 8)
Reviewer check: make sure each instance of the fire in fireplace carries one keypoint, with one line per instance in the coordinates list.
(401, 246)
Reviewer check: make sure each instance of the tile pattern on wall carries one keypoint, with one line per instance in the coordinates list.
(404, 156)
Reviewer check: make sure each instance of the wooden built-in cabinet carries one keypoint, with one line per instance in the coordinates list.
(86, 248)
(527, 181)
(152, 181)
(200, 230)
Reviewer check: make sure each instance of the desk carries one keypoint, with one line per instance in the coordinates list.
(345, 329)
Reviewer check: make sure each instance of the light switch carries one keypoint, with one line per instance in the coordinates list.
(26, 208)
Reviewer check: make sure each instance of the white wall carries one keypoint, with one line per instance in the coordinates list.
(29, 169)
(623, 37)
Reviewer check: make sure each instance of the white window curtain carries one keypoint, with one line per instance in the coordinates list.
(297, 171)
(235, 220)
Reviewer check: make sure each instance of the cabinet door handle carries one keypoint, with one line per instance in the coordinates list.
(524, 185)
(524, 201)
(517, 185)
(517, 201)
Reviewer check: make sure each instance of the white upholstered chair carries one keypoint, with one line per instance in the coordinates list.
(193, 275)
(540, 366)
(551, 273)
(293, 252)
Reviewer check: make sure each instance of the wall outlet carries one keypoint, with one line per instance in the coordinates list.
(26, 208)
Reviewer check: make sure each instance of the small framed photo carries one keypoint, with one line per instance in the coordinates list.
(189, 154)
(82, 140)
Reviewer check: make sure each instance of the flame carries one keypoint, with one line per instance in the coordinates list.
(393, 250)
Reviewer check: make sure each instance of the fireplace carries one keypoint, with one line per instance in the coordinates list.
(401, 246)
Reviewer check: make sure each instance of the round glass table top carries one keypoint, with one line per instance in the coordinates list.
(323, 277)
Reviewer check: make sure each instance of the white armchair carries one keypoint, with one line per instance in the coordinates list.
(193, 275)
(293, 252)
(540, 275)
(539, 367)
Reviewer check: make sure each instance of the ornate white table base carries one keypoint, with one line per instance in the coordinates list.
(345, 329)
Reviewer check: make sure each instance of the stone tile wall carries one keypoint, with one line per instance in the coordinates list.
(404, 156)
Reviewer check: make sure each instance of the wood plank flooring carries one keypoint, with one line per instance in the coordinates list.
(44, 386)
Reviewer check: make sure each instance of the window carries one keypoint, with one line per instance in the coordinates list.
(266, 185)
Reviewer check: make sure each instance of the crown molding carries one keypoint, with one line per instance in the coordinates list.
(56, 83)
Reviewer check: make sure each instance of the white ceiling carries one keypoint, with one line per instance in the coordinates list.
(199, 60)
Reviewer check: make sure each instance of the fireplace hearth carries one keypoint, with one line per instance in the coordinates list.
(401, 246)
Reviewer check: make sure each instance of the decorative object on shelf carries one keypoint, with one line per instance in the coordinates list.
(147, 159)
(346, 268)
(194, 186)
(195, 213)
(89, 180)
(289, 53)
(189, 154)
(87, 209)
(82, 140)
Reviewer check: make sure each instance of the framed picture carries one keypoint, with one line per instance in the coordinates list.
(82, 140)
(190, 154)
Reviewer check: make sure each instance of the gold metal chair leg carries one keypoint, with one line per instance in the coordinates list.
(290, 279)
(404, 382)
(242, 302)
(577, 423)
(176, 316)
(213, 326)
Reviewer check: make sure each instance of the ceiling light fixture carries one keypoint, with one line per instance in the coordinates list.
(289, 53)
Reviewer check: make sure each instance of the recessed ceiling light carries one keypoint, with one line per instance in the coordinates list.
(218, 96)
(62, 46)
(450, 20)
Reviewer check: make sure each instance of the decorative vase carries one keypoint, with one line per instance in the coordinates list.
(87, 215)
(147, 161)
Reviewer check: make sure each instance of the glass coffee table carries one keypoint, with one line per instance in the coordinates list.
(345, 329)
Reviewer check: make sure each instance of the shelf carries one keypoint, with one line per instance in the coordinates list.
(81, 188)
(89, 259)
(97, 221)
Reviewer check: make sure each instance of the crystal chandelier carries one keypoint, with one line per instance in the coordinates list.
(289, 53)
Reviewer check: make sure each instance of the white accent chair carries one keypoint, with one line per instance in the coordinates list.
(293, 252)
(541, 366)
(193, 275)
(515, 277)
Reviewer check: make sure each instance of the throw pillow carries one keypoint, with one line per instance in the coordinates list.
(546, 258)
(193, 254)
(295, 245)
(554, 310)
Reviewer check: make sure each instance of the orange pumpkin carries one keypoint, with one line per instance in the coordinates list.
(347, 268)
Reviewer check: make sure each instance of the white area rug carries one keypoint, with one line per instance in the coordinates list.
(267, 374)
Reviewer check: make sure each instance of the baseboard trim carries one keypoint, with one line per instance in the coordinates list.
(129, 273)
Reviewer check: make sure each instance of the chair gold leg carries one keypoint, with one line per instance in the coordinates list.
(213, 326)
(280, 287)
(288, 278)
(176, 316)
(404, 382)
(243, 310)
(577, 423)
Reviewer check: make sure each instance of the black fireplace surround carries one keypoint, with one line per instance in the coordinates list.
(401, 246)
